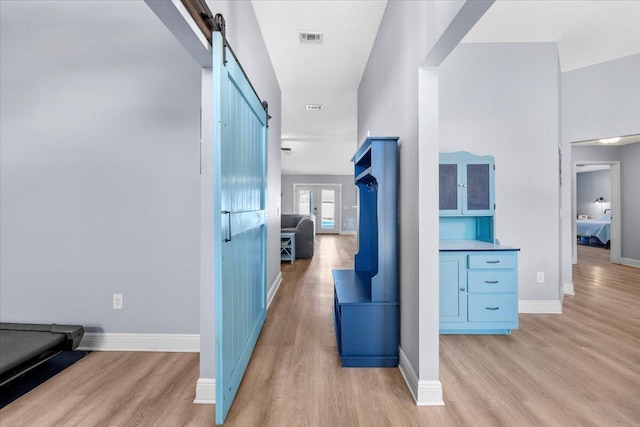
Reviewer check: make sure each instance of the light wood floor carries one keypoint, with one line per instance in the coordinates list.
(581, 368)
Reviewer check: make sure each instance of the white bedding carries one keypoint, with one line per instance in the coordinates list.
(600, 228)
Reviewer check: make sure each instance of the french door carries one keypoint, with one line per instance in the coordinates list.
(240, 139)
(321, 200)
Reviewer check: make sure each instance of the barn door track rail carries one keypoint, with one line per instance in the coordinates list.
(209, 23)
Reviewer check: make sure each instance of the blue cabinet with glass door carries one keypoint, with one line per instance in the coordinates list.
(466, 184)
(366, 298)
(478, 276)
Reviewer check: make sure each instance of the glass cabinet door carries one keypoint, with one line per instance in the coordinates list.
(466, 185)
(449, 187)
(478, 187)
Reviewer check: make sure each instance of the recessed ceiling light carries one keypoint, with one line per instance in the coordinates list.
(610, 140)
(315, 107)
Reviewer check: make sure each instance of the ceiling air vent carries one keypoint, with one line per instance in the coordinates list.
(315, 107)
(306, 37)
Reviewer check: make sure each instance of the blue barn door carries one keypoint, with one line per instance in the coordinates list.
(240, 138)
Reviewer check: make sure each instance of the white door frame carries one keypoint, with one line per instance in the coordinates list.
(616, 222)
(338, 204)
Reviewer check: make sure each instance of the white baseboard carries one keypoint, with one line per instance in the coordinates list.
(205, 391)
(274, 289)
(106, 341)
(408, 373)
(349, 233)
(631, 262)
(429, 393)
(425, 393)
(540, 306)
(568, 289)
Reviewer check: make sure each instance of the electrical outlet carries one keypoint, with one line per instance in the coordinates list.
(540, 277)
(117, 301)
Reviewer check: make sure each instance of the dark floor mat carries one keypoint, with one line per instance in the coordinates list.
(38, 375)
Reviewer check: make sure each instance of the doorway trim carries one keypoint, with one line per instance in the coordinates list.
(616, 225)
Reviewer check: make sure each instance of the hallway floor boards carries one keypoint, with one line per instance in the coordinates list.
(581, 368)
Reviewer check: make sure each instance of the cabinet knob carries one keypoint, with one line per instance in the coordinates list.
(462, 289)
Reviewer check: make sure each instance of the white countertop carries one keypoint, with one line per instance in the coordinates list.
(473, 245)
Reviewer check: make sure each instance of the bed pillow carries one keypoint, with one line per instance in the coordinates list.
(605, 217)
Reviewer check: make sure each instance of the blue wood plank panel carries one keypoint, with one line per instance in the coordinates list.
(239, 224)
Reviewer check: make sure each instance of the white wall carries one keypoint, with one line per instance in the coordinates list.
(387, 106)
(599, 101)
(99, 168)
(627, 155)
(630, 177)
(502, 100)
(595, 153)
(349, 204)
(388, 99)
(602, 100)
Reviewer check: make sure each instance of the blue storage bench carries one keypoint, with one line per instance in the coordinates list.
(366, 308)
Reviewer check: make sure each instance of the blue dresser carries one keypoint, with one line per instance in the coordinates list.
(366, 298)
(478, 276)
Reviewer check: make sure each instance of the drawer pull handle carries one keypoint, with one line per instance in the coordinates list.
(462, 289)
(491, 282)
(492, 308)
(493, 262)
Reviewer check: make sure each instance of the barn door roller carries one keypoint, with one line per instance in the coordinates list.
(208, 23)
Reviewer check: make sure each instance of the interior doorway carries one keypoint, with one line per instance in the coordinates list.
(323, 201)
(615, 231)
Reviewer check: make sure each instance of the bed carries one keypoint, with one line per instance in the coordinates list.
(599, 228)
(24, 346)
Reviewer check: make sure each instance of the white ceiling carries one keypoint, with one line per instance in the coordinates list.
(624, 140)
(587, 32)
(321, 142)
(591, 168)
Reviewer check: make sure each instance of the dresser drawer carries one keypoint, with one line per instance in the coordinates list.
(492, 308)
(493, 260)
(492, 280)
